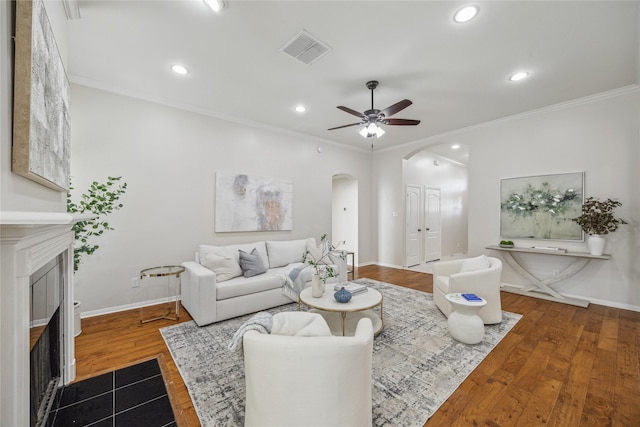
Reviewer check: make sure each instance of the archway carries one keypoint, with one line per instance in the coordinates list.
(430, 168)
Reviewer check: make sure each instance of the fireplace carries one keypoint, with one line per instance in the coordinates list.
(33, 244)
(46, 295)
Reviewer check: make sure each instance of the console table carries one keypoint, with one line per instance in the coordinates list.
(542, 288)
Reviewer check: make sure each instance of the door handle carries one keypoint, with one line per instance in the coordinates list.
(419, 229)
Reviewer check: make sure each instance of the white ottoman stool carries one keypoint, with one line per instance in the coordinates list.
(464, 323)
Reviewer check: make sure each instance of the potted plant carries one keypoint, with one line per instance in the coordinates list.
(322, 265)
(99, 200)
(597, 221)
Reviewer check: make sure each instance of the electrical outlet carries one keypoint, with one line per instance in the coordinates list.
(135, 282)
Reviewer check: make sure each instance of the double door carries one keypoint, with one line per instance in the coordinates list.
(422, 222)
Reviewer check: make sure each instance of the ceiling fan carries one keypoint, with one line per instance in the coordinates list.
(372, 119)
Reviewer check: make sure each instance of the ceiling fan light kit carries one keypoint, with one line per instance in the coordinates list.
(371, 131)
(373, 118)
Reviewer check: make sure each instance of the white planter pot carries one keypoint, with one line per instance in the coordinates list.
(77, 321)
(317, 287)
(596, 244)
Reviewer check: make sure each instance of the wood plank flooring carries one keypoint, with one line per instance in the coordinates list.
(560, 365)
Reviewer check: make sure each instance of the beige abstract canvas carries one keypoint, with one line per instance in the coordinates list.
(41, 129)
(252, 203)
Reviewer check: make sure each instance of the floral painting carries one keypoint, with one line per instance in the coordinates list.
(252, 203)
(542, 207)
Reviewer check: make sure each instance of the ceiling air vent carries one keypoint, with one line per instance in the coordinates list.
(305, 48)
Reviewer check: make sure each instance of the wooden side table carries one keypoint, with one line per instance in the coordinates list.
(165, 271)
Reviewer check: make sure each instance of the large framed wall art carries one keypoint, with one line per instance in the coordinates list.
(252, 203)
(542, 207)
(41, 121)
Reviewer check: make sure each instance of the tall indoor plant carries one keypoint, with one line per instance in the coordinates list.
(598, 220)
(100, 200)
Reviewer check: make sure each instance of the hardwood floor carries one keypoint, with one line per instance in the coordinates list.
(559, 366)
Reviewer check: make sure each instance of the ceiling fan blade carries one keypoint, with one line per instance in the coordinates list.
(346, 126)
(350, 111)
(401, 122)
(398, 106)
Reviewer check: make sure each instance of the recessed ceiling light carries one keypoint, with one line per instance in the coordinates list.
(215, 5)
(179, 69)
(465, 14)
(520, 75)
(455, 146)
(301, 108)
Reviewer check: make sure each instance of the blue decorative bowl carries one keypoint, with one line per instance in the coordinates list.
(342, 295)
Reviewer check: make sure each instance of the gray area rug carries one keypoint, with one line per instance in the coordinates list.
(416, 363)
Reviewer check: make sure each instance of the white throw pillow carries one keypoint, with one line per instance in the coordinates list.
(225, 267)
(473, 264)
(314, 253)
(300, 324)
(285, 252)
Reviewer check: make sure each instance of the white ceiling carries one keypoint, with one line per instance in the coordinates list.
(455, 74)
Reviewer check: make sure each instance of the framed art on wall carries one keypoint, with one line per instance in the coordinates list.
(252, 203)
(41, 122)
(542, 207)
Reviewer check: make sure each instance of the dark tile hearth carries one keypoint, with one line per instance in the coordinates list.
(132, 396)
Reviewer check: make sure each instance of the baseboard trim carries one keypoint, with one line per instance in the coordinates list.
(571, 299)
(125, 307)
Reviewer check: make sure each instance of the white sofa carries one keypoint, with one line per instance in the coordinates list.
(480, 276)
(309, 380)
(209, 300)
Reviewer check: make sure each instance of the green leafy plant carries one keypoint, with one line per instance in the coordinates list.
(597, 216)
(321, 261)
(100, 200)
(506, 242)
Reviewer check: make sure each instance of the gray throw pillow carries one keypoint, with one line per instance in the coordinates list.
(251, 264)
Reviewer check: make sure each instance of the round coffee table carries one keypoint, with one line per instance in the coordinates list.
(342, 318)
(464, 323)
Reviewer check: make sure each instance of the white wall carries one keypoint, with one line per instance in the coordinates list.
(598, 135)
(19, 193)
(345, 213)
(451, 179)
(169, 158)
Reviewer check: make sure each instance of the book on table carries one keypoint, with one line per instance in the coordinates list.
(354, 288)
(471, 297)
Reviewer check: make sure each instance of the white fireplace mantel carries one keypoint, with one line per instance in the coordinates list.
(28, 240)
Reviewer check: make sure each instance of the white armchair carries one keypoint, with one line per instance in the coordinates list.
(484, 282)
(309, 381)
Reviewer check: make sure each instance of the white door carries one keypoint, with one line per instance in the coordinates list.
(413, 239)
(432, 224)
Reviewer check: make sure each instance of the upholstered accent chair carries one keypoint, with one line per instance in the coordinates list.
(480, 276)
(309, 380)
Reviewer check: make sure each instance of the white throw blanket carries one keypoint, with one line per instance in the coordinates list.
(294, 276)
(300, 324)
(261, 322)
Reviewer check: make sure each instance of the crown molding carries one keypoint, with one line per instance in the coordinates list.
(83, 81)
(625, 90)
